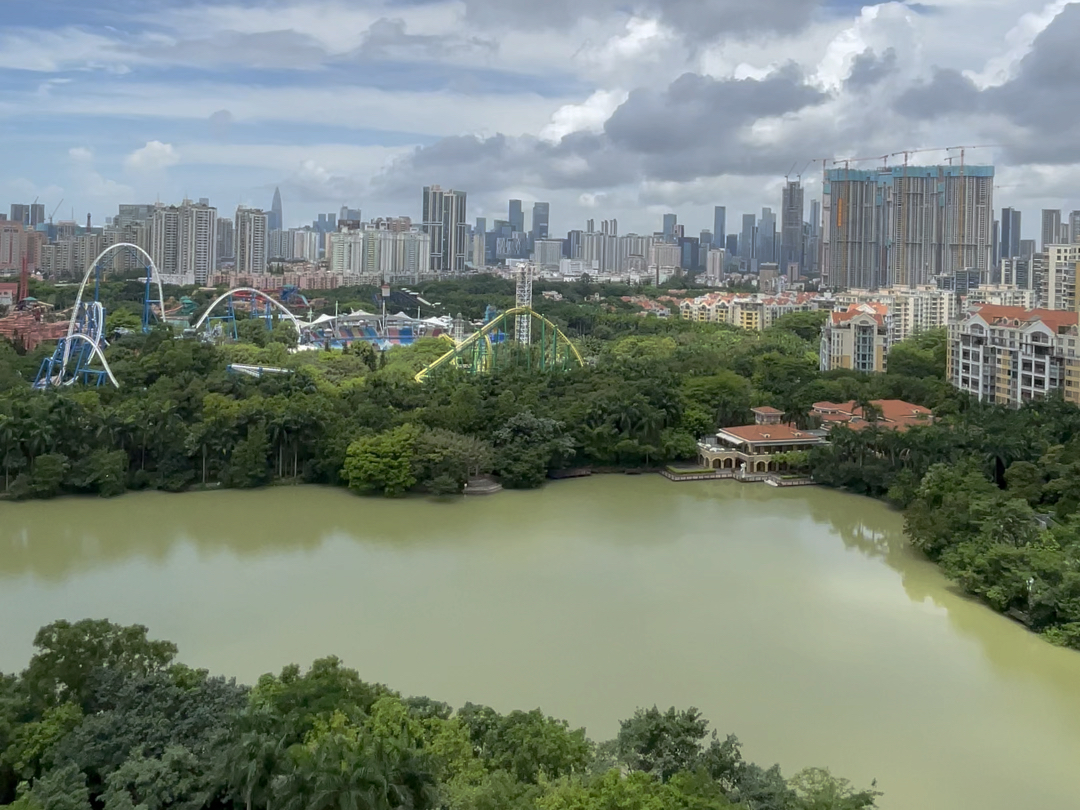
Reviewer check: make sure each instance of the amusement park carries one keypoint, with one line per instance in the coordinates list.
(513, 334)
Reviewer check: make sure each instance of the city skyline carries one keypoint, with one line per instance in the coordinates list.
(123, 104)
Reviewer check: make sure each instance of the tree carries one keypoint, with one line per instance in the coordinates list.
(67, 655)
(249, 461)
(526, 447)
(446, 460)
(382, 463)
(62, 789)
(817, 789)
(662, 743)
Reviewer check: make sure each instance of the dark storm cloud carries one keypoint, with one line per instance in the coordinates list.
(695, 19)
(948, 92)
(690, 129)
(1040, 101)
(868, 68)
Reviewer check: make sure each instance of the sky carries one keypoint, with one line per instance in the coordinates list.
(604, 108)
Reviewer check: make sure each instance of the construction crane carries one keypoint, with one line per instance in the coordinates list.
(53, 214)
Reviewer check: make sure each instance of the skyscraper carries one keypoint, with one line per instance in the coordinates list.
(226, 239)
(540, 213)
(670, 220)
(906, 225)
(747, 248)
(251, 236)
(719, 230)
(1010, 233)
(444, 221)
(481, 225)
(766, 238)
(517, 217)
(1074, 228)
(1051, 228)
(791, 229)
(273, 221)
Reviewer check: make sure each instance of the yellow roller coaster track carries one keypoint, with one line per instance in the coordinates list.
(479, 343)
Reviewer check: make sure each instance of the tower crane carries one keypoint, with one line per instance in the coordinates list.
(53, 214)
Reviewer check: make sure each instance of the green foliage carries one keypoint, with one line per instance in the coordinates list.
(163, 736)
(382, 463)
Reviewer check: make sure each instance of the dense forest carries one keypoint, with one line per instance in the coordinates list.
(104, 717)
(990, 494)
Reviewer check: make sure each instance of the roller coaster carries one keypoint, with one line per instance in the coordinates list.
(479, 351)
(80, 354)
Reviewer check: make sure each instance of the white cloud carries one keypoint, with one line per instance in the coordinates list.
(589, 116)
(81, 154)
(1018, 40)
(153, 157)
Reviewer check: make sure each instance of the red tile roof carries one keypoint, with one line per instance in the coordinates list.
(769, 433)
(767, 409)
(892, 413)
(996, 314)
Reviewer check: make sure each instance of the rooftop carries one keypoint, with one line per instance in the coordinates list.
(768, 433)
(892, 413)
(998, 315)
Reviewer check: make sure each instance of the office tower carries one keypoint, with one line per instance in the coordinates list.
(766, 238)
(226, 239)
(731, 245)
(747, 239)
(273, 219)
(1051, 228)
(183, 242)
(20, 213)
(350, 214)
(670, 221)
(1074, 228)
(1027, 248)
(812, 254)
(540, 213)
(706, 240)
(481, 225)
(995, 245)
(904, 226)
(444, 221)
(1009, 233)
(791, 230)
(719, 228)
(547, 253)
(251, 233)
(517, 217)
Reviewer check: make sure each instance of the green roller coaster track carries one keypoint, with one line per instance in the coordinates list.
(477, 351)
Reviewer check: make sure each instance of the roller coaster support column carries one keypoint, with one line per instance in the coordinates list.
(523, 324)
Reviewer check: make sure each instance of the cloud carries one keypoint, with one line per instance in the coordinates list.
(81, 154)
(869, 69)
(1033, 113)
(153, 157)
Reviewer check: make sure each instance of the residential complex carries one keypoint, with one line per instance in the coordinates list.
(905, 225)
(1009, 355)
(445, 223)
(754, 311)
(856, 338)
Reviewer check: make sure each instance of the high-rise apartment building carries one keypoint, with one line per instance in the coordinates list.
(183, 242)
(274, 219)
(547, 253)
(1051, 228)
(445, 222)
(719, 228)
(1055, 273)
(906, 225)
(540, 213)
(251, 240)
(791, 230)
(12, 244)
(517, 217)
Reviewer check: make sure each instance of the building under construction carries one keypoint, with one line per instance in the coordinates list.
(906, 225)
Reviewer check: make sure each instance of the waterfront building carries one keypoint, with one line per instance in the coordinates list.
(752, 449)
(1009, 355)
(857, 338)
